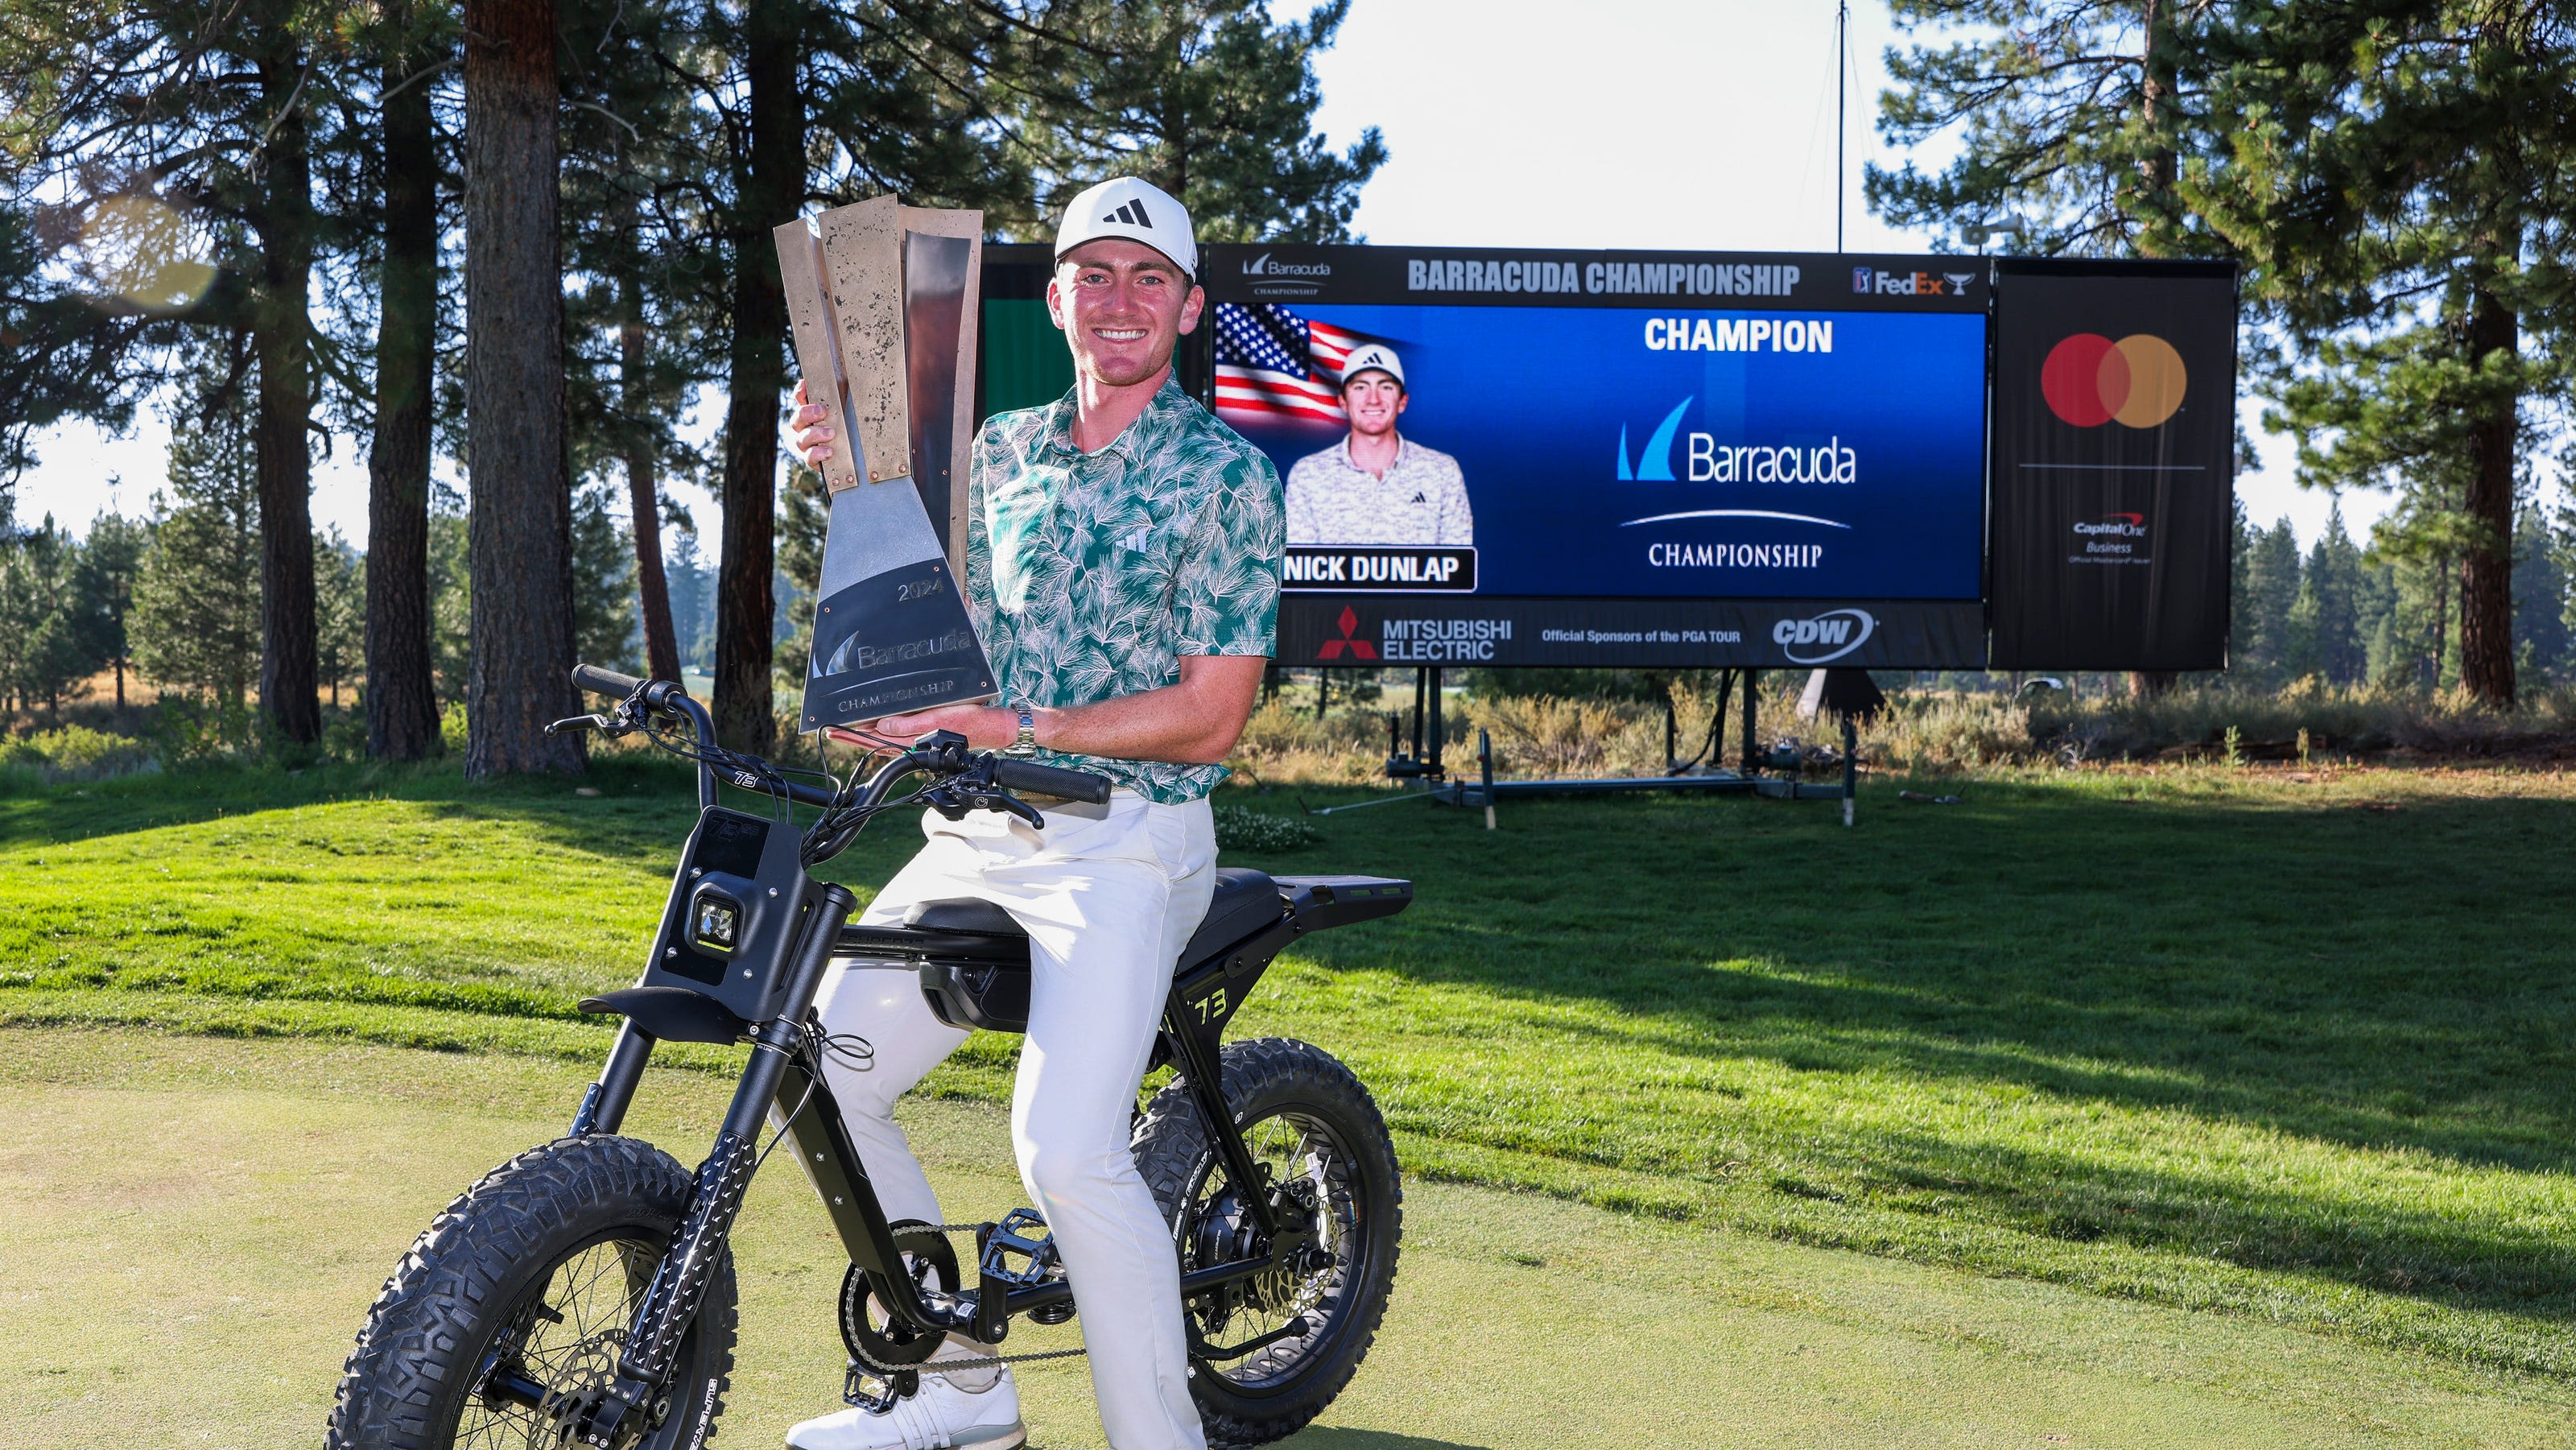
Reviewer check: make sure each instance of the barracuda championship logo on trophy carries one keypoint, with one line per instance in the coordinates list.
(881, 299)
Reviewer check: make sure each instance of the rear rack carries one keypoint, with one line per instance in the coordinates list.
(1317, 902)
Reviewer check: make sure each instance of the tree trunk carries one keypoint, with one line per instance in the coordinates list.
(285, 464)
(402, 704)
(745, 605)
(2486, 572)
(653, 592)
(519, 539)
(2152, 684)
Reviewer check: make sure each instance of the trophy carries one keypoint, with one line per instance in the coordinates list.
(881, 299)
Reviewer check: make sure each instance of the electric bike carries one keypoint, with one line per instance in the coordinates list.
(582, 1294)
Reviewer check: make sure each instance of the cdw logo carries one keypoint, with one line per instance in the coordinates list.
(1360, 649)
(1828, 636)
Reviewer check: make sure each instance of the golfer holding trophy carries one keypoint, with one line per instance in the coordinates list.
(1121, 562)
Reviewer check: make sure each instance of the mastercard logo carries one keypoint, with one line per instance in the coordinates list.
(2089, 380)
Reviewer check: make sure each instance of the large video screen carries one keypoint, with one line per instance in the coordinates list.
(1607, 445)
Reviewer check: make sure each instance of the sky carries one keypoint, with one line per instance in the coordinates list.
(1694, 124)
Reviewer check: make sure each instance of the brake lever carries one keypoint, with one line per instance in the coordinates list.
(1001, 801)
(600, 723)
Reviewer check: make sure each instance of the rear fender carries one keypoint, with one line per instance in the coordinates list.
(1207, 993)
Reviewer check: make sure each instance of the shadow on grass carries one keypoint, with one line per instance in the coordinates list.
(2346, 972)
(1327, 1437)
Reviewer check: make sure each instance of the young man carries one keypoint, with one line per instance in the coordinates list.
(1122, 563)
(1376, 486)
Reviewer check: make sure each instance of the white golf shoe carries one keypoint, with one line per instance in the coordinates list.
(975, 1409)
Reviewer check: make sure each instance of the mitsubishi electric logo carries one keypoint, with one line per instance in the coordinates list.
(1263, 266)
(1827, 636)
(1133, 214)
(1360, 649)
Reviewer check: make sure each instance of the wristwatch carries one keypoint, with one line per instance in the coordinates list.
(1027, 744)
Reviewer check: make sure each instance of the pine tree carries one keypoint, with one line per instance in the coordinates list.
(2271, 590)
(339, 611)
(605, 627)
(804, 510)
(103, 586)
(1209, 99)
(190, 137)
(2540, 600)
(196, 617)
(451, 602)
(2072, 114)
(2402, 180)
(2332, 595)
(41, 643)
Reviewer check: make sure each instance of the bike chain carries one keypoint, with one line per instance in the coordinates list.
(990, 1361)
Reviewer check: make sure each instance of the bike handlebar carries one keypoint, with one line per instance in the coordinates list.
(946, 758)
(604, 682)
(1073, 785)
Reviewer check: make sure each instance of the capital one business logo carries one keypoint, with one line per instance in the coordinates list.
(1708, 463)
(1823, 637)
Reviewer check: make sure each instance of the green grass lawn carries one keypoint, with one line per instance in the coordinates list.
(201, 1283)
(2298, 1050)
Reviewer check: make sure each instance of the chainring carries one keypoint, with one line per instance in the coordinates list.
(932, 1263)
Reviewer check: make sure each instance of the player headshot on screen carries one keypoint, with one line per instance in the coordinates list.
(1376, 486)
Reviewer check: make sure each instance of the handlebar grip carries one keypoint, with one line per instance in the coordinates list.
(603, 682)
(1073, 785)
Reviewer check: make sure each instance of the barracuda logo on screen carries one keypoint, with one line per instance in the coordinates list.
(1705, 460)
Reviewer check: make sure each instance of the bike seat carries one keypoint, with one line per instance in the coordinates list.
(1245, 902)
(963, 913)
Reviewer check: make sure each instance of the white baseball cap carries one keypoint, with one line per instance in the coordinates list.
(1130, 207)
(1376, 355)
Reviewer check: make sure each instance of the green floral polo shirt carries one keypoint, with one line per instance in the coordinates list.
(1090, 575)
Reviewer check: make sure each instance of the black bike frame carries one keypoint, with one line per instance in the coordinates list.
(782, 1082)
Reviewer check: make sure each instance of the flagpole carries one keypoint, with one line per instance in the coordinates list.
(1842, 71)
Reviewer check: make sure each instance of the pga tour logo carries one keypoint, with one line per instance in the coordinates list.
(1872, 282)
(1827, 636)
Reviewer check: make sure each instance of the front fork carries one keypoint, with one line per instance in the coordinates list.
(608, 1418)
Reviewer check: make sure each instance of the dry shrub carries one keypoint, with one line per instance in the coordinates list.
(1552, 736)
(1347, 747)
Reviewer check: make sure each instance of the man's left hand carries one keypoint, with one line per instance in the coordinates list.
(985, 727)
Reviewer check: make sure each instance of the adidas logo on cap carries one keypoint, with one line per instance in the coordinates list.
(1134, 208)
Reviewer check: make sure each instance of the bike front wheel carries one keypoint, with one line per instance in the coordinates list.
(520, 1293)
(1272, 1351)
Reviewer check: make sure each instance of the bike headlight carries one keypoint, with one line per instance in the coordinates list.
(715, 923)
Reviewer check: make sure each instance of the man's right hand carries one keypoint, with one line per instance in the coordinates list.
(813, 435)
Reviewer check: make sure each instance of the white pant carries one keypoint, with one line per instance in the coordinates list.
(1109, 894)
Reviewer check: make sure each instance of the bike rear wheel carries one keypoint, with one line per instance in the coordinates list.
(1312, 1122)
(521, 1292)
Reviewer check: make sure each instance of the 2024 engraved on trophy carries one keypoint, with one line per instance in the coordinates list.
(881, 299)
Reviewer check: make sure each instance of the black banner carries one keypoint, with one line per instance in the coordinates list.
(1882, 634)
(2114, 407)
(1527, 277)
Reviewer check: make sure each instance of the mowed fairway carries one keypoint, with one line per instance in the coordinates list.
(191, 1228)
(2298, 1050)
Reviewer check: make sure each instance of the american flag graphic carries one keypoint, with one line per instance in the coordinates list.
(1273, 364)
